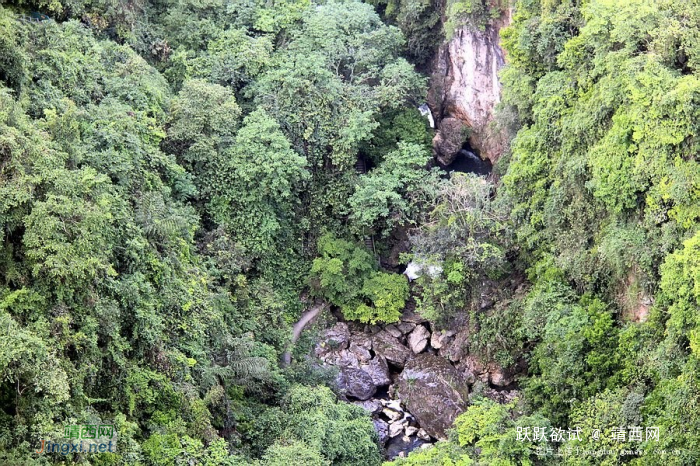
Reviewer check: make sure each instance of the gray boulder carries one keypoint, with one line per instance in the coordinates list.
(378, 370)
(361, 353)
(457, 347)
(418, 339)
(434, 392)
(382, 428)
(356, 383)
(334, 339)
(441, 338)
(384, 344)
(371, 406)
(393, 331)
(448, 140)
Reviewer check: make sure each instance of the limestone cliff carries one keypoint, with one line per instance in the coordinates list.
(465, 86)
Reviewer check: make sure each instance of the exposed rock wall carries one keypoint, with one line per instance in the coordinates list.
(465, 86)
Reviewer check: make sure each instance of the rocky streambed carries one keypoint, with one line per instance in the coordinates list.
(414, 381)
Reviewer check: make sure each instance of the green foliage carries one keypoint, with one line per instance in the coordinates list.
(388, 294)
(167, 169)
(158, 212)
(474, 13)
(608, 137)
(12, 57)
(602, 183)
(466, 234)
(257, 183)
(345, 274)
(294, 452)
(393, 193)
(576, 358)
(680, 295)
(419, 21)
(404, 125)
(320, 90)
(342, 432)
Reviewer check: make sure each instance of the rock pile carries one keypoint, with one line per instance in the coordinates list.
(413, 381)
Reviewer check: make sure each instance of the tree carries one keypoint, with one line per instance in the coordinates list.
(257, 186)
(345, 274)
(394, 193)
(466, 234)
(294, 452)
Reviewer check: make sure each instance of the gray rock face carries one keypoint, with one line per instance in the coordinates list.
(469, 88)
(391, 348)
(418, 339)
(335, 338)
(382, 428)
(455, 348)
(441, 338)
(378, 370)
(371, 406)
(449, 139)
(434, 392)
(356, 383)
(360, 352)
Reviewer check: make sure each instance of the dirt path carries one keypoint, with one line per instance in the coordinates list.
(305, 318)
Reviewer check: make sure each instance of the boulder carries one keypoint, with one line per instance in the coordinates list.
(441, 338)
(382, 428)
(406, 327)
(401, 445)
(498, 376)
(418, 339)
(394, 331)
(449, 139)
(410, 430)
(423, 435)
(456, 348)
(334, 339)
(390, 348)
(361, 354)
(378, 369)
(361, 340)
(371, 406)
(395, 429)
(392, 414)
(342, 358)
(434, 392)
(356, 383)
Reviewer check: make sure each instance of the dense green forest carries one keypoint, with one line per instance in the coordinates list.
(178, 184)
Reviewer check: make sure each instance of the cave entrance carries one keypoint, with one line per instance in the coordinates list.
(467, 161)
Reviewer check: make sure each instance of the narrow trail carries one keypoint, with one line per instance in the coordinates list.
(305, 318)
